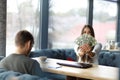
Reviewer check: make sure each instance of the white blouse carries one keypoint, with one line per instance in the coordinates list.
(96, 50)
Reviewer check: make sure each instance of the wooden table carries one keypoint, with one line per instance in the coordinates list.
(97, 72)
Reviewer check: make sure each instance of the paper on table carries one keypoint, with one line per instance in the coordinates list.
(55, 66)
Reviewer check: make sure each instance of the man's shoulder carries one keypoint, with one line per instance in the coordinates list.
(29, 59)
(8, 57)
(26, 59)
(18, 57)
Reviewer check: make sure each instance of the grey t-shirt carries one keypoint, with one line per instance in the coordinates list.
(21, 63)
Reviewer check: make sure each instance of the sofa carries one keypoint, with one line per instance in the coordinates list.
(106, 58)
(109, 58)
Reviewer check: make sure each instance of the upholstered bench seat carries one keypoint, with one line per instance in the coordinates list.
(109, 58)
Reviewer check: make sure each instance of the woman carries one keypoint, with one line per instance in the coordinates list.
(86, 52)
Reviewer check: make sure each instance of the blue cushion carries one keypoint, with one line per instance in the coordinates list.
(70, 53)
(1, 57)
(11, 75)
(50, 53)
(109, 59)
(63, 54)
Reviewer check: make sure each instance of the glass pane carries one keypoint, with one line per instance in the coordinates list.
(66, 18)
(22, 14)
(104, 21)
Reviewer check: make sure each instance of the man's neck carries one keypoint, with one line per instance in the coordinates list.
(20, 51)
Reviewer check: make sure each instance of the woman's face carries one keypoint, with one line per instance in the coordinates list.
(87, 31)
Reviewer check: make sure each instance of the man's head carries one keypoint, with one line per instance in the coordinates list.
(24, 40)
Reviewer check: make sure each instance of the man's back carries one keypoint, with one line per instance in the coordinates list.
(20, 63)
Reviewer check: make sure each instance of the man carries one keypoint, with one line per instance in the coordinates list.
(19, 61)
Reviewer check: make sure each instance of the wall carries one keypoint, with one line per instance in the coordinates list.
(3, 4)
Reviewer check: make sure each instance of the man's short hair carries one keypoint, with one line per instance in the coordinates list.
(22, 37)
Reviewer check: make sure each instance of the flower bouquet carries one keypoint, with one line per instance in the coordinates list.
(86, 39)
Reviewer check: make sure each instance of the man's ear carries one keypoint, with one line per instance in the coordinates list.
(28, 43)
(27, 47)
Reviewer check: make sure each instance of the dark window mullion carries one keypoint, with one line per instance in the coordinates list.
(43, 32)
(118, 23)
(90, 12)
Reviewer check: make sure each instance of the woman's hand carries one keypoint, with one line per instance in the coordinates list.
(85, 48)
(80, 52)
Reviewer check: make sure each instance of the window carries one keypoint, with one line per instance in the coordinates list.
(66, 19)
(104, 20)
(22, 14)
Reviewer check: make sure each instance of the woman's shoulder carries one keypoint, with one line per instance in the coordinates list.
(99, 45)
(97, 48)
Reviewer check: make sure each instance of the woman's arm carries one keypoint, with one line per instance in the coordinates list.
(95, 50)
(78, 51)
